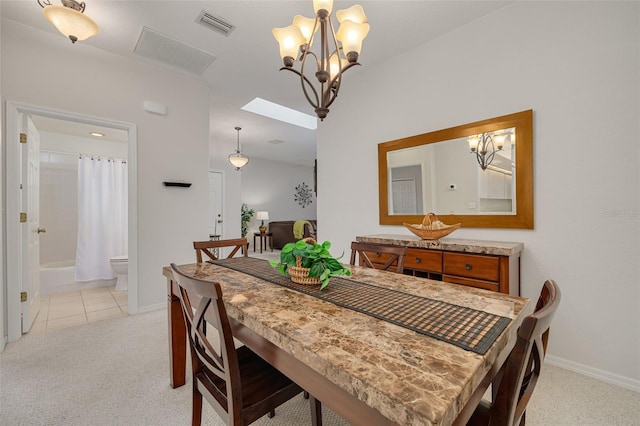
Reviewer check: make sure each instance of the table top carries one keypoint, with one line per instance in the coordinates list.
(411, 378)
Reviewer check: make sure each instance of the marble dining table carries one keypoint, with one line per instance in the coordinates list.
(367, 370)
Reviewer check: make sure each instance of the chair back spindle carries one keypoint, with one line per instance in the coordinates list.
(210, 248)
(395, 255)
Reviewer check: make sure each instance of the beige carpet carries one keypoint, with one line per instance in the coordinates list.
(115, 372)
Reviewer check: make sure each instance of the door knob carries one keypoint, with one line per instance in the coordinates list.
(41, 230)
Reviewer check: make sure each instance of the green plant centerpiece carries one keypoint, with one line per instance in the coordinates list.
(308, 262)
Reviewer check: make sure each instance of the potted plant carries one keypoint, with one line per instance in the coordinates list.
(245, 217)
(308, 262)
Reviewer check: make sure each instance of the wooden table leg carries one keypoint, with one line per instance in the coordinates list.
(316, 411)
(177, 339)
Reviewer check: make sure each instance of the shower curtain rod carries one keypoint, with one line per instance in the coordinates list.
(80, 155)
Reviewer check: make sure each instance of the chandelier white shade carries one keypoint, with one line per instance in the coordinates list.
(333, 55)
(70, 19)
(238, 159)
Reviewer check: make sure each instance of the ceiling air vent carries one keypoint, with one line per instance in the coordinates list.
(215, 23)
(160, 47)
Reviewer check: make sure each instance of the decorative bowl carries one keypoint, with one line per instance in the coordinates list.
(431, 228)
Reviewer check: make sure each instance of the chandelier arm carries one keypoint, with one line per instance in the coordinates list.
(303, 80)
(44, 3)
(333, 86)
(335, 80)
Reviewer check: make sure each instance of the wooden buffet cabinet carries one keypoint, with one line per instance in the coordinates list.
(492, 265)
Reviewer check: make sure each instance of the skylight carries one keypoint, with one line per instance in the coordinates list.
(282, 113)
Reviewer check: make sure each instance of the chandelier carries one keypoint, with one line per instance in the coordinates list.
(238, 159)
(70, 19)
(485, 146)
(336, 52)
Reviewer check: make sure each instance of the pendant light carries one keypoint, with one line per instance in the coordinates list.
(238, 159)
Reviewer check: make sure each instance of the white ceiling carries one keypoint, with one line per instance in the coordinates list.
(247, 61)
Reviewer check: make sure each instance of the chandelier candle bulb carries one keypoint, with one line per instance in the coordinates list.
(306, 26)
(320, 5)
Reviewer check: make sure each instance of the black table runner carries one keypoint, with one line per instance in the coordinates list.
(467, 328)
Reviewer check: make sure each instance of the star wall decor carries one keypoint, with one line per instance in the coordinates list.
(303, 195)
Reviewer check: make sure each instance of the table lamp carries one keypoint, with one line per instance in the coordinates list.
(262, 216)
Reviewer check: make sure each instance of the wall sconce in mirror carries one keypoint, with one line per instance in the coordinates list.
(486, 145)
(70, 19)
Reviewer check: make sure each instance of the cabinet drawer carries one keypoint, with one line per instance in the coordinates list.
(472, 266)
(487, 285)
(423, 260)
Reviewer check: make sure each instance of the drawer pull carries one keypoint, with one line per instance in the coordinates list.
(467, 266)
(377, 254)
(418, 260)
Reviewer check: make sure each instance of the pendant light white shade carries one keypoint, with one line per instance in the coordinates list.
(238, 160)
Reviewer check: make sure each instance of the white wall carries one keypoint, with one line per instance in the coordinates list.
(270, 185)
(576, 64)
(46, 70)
(3, 307)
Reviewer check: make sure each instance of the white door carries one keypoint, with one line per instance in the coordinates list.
(215, 203)
(404, 196)
(30, 164)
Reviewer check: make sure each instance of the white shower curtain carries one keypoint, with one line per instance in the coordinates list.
(102, 216)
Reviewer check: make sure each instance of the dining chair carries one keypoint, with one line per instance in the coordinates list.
(238, 384)
(518, 376)
(212, 248)
(385, 256)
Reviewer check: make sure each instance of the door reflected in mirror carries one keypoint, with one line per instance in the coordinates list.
(479, 174)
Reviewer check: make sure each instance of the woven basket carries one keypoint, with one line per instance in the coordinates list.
(300, 275)
(425, 232)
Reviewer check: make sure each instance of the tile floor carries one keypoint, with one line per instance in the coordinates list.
(80, 307)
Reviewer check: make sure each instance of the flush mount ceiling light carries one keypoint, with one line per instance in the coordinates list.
(97, 134)
(237, 159)
(336, 53)
(70, 19)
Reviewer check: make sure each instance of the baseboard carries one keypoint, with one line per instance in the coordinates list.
(585, 370)
(149, 308)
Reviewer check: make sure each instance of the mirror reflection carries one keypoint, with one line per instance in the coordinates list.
(468, 175)
(478, 174)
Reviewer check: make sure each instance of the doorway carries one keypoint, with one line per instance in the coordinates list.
(13, 229)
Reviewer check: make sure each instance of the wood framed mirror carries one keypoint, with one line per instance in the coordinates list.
(439, 172)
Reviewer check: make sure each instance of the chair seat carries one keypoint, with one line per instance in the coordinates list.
(263, 387)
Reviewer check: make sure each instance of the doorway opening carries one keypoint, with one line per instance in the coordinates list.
(15, 113)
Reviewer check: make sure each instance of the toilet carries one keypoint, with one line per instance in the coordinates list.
(120, 266)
